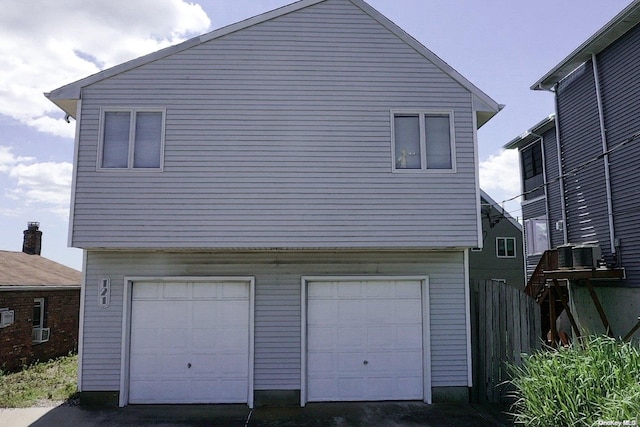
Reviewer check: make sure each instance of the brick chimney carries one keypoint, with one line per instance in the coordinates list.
(32, 239)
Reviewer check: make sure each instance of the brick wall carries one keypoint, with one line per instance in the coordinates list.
(61, 316)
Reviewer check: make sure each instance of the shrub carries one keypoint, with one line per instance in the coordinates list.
(596, 383)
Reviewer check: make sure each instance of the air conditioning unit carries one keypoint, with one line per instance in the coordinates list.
(586, 256)
(565, 257)
(7, 317)
(40, 335)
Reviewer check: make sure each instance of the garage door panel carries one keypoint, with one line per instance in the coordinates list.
(233, 312)
(322, 312)
(175, 290)
(351, 363)
(409, 337)
(381, 337)
(321, 337)
(373, 348)
(174, 340)
(350, 289)
(351, 337)
(351, 312)
(324, 362)
(148, 313)
(198, 349)
(231, 290)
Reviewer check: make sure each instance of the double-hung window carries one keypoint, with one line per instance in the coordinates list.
(423, 141)
(132, 139)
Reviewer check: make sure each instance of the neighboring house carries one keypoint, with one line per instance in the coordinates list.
(39, 305)
(588, 158)
(501, 256)
(280, 209)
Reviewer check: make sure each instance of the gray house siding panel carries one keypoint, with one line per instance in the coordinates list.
(585, 192)
(281, 141)
(556, 235)
(277, 305)
(620, 84)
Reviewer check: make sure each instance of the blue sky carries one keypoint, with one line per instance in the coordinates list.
(502, 46)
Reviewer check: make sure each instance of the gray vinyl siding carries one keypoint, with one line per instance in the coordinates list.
(278, 136)
(556, 236)
(485, 264)
(585, 192)
(277, 305)
(533, 209)
(619, 67)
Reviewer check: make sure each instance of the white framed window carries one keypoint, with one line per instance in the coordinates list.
(40, 333)
(422, 141)
(536, 235)
(7, 317)
(131, 138)
(505, 247)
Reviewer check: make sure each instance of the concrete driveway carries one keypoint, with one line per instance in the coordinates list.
(382, 414)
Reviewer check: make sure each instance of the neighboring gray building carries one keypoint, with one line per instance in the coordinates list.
(502, 254)
(588, 159)
(282, 208)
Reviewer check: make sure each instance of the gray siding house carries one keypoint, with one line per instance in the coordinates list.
(580, 169)
(278, 209)
(501, 256)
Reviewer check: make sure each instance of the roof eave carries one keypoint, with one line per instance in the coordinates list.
(609, 33)
(532, 134)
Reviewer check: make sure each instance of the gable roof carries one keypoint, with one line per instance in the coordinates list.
(496, 206)
(66, 97)
(19, 270)
(609, 33)
(532, 134)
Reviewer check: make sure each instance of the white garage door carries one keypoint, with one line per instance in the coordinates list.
(189, 342)
(365, 340)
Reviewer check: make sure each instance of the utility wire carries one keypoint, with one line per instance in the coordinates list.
(579, 168)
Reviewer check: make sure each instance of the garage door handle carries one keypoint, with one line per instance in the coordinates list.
(188, 365)
(365, 362)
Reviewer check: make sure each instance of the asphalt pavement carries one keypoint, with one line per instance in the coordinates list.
(383, 414)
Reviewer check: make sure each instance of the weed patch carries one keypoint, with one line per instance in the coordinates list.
(40, 384)
(596, 384)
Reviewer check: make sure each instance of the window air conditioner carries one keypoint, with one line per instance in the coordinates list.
(40, 335)
(565, 257)
(586, 256)
(7, 317)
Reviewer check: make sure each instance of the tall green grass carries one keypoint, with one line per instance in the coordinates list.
(597, 383)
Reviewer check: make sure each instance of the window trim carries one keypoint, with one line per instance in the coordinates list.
(527, 237)
(133, 111)
(515, 251)
(42, 308)
(423, 147)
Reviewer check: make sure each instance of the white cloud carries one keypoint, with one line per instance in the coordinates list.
(46, 185)
(500, 178)
(55, 43)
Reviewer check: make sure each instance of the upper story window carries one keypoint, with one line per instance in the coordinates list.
(423, 141)
(505, 247)
(532, 171)
(132, 139)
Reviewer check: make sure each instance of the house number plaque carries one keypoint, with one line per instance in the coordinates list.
(104, 292)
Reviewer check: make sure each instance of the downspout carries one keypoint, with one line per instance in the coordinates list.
(605, 149)
(563, 203)
(545, 183)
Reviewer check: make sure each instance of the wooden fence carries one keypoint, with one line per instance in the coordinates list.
(505, 322)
